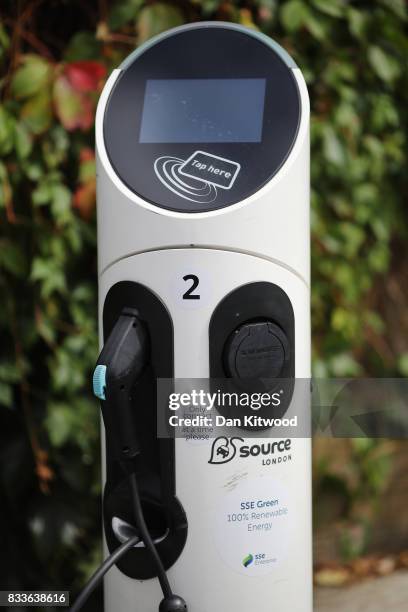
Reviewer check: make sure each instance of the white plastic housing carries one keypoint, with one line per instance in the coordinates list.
(263, 238)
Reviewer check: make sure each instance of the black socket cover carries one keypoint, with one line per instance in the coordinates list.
(256, 350)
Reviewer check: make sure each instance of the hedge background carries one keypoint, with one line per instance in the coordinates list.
(54, 58)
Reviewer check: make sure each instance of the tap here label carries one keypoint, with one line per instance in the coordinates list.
(211, 169)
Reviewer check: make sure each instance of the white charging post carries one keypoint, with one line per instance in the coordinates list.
(202, 139)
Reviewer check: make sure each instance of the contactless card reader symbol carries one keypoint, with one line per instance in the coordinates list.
(198, 177)
(212, 169)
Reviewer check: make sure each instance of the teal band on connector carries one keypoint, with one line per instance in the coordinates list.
(99, 381)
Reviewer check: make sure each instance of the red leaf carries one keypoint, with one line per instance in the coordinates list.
(86, 154)
(84, 199)
(73, 108)
(85, 75)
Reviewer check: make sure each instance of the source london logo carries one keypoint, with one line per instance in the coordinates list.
(273, 452)
(223, 450)
(246, 561)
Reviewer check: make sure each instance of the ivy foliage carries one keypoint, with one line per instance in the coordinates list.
(54, 59)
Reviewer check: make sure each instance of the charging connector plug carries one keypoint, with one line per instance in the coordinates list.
(120, 364)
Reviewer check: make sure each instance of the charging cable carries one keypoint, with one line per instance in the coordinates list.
(171, 602)
(97, 577)
(120, 364)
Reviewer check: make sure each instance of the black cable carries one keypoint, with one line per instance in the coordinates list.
(147, 539)
(120, 365)
(101, 571)
(171, 602)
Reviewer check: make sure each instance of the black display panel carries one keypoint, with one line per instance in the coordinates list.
(197, 175)
(202, 110)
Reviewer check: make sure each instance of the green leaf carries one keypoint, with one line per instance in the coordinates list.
(34, 171)
(334, 8)
(67, 373)
(353, 238)
(61, 204)
(37, 112)
(333, 149)
(383, 64)
(317, 26)
(87, 170)
(55, 147)
(398, 7)
(381, 229)
(4, 42)
(7, 123)
(358, 21)
(210, 6)
(42, 194)
(12, 258)
(123, 12)
(6, 395)
(9, 372)
(378, 258)
(157, 18)
(344, 364)
(83, 46)
(46, 329)
(4, 38)
(403, 364)
(33, 75)
(23, 141)
(5, 187)
(58, 423)
(50, 276)
(293, 15)
(385, 112)
(40, 269)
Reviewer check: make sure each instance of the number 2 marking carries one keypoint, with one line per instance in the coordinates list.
(189, 295)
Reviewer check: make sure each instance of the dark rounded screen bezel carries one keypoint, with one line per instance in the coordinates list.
(202, 52)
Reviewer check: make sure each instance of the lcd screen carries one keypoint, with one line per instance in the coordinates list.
(203, 110)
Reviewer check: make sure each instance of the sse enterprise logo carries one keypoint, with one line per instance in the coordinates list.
(246, 561)
(197, 178)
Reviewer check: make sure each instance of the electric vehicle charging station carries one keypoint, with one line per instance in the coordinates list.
(202, 139)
